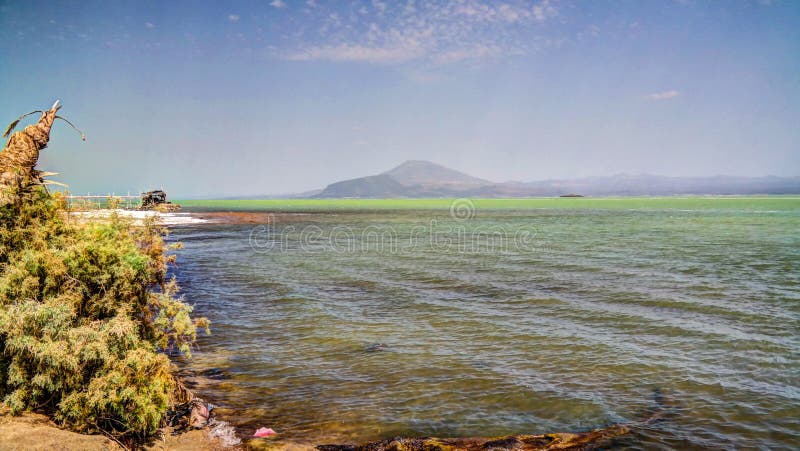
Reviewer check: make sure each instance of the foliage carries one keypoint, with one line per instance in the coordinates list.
(85, 309)
(114, 203)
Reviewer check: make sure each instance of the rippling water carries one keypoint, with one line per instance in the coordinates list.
(366, 325)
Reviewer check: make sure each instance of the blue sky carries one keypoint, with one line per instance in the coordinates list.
(285, 96)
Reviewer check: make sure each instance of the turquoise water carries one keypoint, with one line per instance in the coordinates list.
(365, 325)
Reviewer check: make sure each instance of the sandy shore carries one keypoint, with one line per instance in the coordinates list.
(188, 218)
(172, 218)
(33, 431)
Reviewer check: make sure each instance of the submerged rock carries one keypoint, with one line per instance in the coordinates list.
(193, 414)
(200, 414)
(596, 439)
(216, 374)
(542, 442)
(375, 347)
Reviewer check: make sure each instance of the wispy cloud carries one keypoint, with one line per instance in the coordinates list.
(354, 52)
(379, 6)
(278, 4)
(666, 95)
(543, 11)
(149, 25)
(476, 52)
(233, 18)
(432, 32)
(504, 12)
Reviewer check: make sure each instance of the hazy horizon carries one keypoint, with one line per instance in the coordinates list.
(260, 97)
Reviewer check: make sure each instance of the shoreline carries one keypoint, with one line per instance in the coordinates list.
(138, 216)
(35, 431)
(182, 218)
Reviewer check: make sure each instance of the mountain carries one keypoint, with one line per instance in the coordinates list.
(381, 185)
(655, 185)
(413, 178)
(417, 178)
(425, 173)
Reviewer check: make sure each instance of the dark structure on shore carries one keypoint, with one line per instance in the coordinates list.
(157, 199)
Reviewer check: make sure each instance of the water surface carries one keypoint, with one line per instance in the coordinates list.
(361, 325)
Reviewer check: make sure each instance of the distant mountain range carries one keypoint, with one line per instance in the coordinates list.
(417, 178)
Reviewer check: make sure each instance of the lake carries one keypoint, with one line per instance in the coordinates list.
(357, 321)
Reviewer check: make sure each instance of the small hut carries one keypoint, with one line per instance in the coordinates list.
(157, 200)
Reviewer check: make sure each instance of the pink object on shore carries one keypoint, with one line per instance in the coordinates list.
(264, 432)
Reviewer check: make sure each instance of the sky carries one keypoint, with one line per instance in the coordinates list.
(210, 99)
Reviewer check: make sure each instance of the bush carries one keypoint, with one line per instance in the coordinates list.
(85, 315)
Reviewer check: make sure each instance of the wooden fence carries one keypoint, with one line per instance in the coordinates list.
(96, 201)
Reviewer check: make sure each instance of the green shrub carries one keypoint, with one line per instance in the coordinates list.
(85, 313)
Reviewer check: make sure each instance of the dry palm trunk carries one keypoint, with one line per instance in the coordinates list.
(19, 156)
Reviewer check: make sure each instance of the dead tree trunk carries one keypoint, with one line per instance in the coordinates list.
(18, 159)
